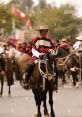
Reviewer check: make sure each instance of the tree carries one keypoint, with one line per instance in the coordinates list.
(5, 20)
(62, 21)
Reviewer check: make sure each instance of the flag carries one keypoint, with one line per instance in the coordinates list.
(29, 24)
(16, 12)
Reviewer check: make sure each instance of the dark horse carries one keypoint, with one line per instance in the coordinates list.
(62, 56)
(70, 64)
(73, 66)
(6, 70)
(43, 81)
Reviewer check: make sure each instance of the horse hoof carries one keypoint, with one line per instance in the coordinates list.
(38, 115)
(9, 94)
(1, 94)
(77, 85)
(52, 115)
(46, 115)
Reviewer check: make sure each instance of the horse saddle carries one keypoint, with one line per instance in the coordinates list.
(60, 64)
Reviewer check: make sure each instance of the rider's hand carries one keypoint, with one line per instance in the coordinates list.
(51, 51)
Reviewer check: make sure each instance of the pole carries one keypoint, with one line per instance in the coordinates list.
(80, 65)
(13, 28)
(13, 24)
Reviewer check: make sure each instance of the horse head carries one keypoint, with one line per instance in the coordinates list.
(45, 69)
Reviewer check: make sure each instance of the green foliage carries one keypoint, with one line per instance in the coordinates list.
(5, 20)
(7, 16)
(62, 21)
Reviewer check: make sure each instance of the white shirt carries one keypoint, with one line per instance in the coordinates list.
(14, 53)
(76, 45)
(1, 50)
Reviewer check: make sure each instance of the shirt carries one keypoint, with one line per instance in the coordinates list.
(42, 44)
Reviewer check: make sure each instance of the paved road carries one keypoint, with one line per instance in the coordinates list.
(67, 102)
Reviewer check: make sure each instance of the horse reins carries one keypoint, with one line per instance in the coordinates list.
(66, 58)
(44, 74)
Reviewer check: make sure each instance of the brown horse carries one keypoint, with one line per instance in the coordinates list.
(66, 61)
(43, 81)
(9, 70)
(20, 61)
(6, 71)
(63, 56)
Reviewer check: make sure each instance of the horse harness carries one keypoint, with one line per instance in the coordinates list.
(45, 75)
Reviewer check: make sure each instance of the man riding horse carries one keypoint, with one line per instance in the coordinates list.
(41, 45)
(78, 48)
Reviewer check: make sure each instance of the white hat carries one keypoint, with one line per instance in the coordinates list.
(43, 27)
(79, 38)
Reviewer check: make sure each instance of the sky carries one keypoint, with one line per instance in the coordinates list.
(77, 3)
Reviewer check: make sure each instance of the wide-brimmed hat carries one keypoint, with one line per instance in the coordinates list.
(79, 38)
(43, 27)
(64, 40)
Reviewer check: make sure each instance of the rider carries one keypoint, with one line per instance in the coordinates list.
(78, 49)
(65, 45)
(40, 45)
(78, 44)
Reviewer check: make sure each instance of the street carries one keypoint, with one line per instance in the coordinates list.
(67, 102)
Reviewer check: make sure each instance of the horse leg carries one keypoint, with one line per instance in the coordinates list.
(44, 104)
(2, 83)
(68, 76)
(9, 91)
(21, 78)
(37, 97)
(63, 77)
(52, 114)
(75, 79)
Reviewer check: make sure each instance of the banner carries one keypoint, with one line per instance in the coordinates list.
(16, 12)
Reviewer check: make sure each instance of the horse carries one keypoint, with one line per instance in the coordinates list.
(20, 61)
(9, 70)
(68, 62)
(73, 66)
(6, 70)
(61, 57)
(44, 80)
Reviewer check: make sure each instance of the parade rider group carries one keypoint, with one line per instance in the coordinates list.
(39, 46)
